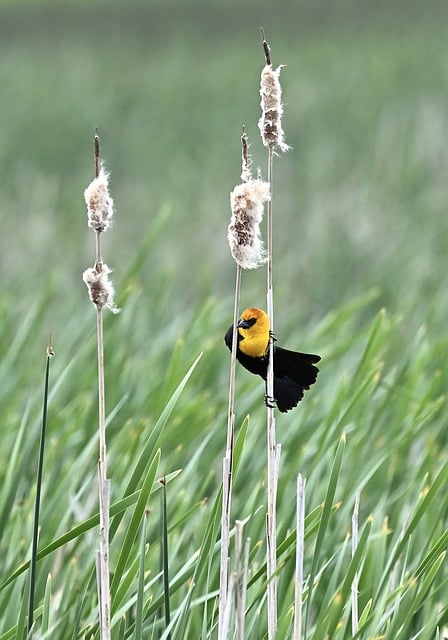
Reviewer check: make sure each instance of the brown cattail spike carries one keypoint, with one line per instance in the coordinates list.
(266, 49)
(99, 203)
(270, 123)
(96, 153)
(246, 162)
(101, 289)
(247, 202)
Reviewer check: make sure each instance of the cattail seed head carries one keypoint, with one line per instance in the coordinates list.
(270, 123)
(246, 160)
(99, 203)
(101, 289)
(246, 201)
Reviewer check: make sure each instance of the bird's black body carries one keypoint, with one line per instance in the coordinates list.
(294, 372)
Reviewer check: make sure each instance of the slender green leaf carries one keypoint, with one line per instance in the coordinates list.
(133, 526)
(325, 519)
(141, 584)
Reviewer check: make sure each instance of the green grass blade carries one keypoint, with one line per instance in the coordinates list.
(16, 466)
(134, 524)
(342, 596)
(325, 519)
(122, 628)
(46, 608)
(165, 560)
(92, 522)
(40, 466)
(141, 583)
(145, 455)
(428, 496)
(21, 629)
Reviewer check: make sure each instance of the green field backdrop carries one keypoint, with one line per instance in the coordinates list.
(360, 274)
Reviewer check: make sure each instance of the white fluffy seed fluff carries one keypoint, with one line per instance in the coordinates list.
(270, 123)
(247, 204)
(101, 289)
(99, 203)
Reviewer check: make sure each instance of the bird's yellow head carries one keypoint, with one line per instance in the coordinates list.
(253, 328)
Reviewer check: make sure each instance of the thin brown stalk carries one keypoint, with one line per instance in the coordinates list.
(104, 492)
(227, 474)
(99, 209)
(272, 136)
(225, 629)
(103, 483)
(246, 203)
(271, 434)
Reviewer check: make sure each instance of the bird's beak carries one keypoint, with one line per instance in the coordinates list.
(243, 324)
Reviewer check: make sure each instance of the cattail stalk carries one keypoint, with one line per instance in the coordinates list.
(246, 201)
(300, 543)
(228, 457)
(271, 523)
(272, 136)
(101, 292)
(227, 477)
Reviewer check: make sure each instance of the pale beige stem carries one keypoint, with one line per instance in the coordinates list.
(103, 483)
(300, 544)
(104, 490)
(242, 568)
(272, 453)
(227, 475)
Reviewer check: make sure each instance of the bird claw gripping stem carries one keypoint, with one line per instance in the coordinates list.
(269, 401)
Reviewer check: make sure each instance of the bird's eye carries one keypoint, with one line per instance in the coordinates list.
(246, 324)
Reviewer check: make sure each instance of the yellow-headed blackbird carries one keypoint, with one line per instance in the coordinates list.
(293, 372)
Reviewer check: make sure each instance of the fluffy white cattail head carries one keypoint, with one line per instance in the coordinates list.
(101, 289)
(247, 204)
(99, 203)
(270, 123)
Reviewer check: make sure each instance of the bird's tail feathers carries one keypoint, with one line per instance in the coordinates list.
(298, 366)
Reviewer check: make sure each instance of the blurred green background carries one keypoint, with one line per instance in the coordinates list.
(360, 200)
(360, 214)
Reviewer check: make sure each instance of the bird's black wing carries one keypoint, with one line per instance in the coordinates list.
(293, 373)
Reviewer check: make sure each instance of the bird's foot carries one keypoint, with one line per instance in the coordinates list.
(269, 402)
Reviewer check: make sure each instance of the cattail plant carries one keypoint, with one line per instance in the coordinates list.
(244, 237)
(272, 135)
(247, 205)
(270, 122)
(101, 292)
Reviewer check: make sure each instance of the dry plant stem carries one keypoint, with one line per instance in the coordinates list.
(241, 571)
(272, 452)
(355, 583)
(104, 491)
(103, 483)
(227, 474)
(228, 609)
(300, 539)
